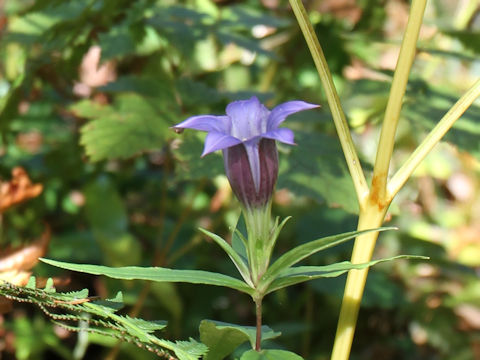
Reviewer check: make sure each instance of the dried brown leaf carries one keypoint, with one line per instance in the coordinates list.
(18, 189)
(25, 257)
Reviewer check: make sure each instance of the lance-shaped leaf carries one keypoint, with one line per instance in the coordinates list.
(157, 274)
(303, 251)
(299, 274)
(233, 255)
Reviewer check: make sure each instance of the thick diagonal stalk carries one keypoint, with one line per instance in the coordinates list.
(371, 217)
(372, 212)
(395, 99)
(338, 115)
(407, 169)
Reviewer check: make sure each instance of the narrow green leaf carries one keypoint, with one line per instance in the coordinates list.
(239, 244)
(233, 255)
(296, 275)
(157, 274)
(305, 250)
(270, 355)
(222, 338)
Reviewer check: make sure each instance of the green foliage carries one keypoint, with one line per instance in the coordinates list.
(121, 188)
(315, 167)
(132, 124)
(297, 254)
(222, 338)
(296, 275)
(108, 219)
(157, 274)
(270, 355)
(70, 310)
(431, 104)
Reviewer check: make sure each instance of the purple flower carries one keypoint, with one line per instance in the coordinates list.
(246, 135)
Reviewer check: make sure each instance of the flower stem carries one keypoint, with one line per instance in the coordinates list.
(258, 313)
(338, 115)
(399, 85)
(402, 175)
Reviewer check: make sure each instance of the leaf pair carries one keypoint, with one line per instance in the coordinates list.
(279, 275)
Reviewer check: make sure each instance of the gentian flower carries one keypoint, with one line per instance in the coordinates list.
(246, 135)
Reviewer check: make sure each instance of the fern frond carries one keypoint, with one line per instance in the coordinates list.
(69, 309)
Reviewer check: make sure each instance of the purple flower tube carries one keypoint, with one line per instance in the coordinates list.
(246, 135)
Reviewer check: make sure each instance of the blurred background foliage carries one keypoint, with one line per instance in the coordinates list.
(88, 91)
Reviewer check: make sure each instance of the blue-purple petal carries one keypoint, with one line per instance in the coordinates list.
(283, 135)
(251, 147)
(206, 123)
(218, 141)
(248, 118)
(280, 112)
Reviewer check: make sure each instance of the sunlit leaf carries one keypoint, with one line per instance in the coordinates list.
(316, 168)
(296, 275)
(157, 274)
(236, 258)
(303, 251)
(132, 125)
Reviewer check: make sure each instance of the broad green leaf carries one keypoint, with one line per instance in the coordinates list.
(196, 93)
(180, 26)
(468, 38)
(305, 250)
(270, 355)
(107, 217)
(315, 167)
(223, 338)
(233, 255)
(117, 42)
(189, 165)
(220, 342)
(155, 87)
(133, 124)
(157, 274)
(296, 275)
(426, 105)
(167, 296)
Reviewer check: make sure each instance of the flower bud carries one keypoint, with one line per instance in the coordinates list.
(239, 173)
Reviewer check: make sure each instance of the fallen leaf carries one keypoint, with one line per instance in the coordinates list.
(25, 257)
(17, 190)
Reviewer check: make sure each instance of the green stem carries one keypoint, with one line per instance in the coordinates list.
(397, 91)
(402, 175)
(338, 115)
(258, 314)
